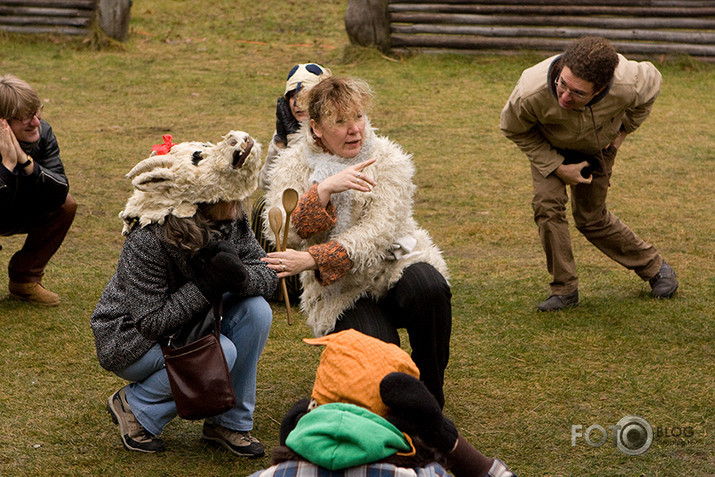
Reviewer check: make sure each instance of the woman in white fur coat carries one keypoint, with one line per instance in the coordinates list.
(362, 258)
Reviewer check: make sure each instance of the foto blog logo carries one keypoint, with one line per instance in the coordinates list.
(632, 435)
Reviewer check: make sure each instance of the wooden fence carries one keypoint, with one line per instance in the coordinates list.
(645, 27)
(65, 17)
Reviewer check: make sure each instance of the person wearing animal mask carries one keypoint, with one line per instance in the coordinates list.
(369, 415)
(188, 245)
(34, 191)
(291, 113)
(363, 260)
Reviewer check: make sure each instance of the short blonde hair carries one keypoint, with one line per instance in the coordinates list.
(337, 97)
(17, 98)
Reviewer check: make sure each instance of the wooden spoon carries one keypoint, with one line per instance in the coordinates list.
(275, 220)
(290, 201)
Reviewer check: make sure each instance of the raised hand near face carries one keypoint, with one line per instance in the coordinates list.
(349, 178)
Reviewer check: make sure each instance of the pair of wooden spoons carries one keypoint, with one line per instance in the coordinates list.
(275, 220)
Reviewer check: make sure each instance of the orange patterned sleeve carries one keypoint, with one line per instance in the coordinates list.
(310, 217)
(333, 262)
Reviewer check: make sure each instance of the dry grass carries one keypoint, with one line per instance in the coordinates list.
(517, 380)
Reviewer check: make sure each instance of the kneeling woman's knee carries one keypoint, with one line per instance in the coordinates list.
(260, 312)
(229, 351)
(246, 317)
(426, 283)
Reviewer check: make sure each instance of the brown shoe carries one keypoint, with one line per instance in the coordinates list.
(34, 293)
(241, 443)
(134, 436)
(559, 302)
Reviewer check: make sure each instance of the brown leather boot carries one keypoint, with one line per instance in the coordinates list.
(34, 293)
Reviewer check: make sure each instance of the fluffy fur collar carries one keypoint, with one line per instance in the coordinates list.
(325, 165)
(370, 223)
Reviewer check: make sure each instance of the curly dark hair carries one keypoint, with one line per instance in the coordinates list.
(196, 232)
(593, 59)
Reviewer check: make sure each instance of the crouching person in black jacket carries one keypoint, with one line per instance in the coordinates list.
(34, 192)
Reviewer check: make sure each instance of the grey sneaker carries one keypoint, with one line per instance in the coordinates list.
(663, 284)
(559, 302)
(239, 442)
(134, 436)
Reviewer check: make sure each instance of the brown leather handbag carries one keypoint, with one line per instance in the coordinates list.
(197, 369)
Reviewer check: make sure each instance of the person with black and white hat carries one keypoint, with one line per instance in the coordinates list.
(291, 111)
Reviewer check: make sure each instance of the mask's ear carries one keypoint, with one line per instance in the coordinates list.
(158, 179)
(153, 173)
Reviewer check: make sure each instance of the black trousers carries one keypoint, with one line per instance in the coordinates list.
(419, 302)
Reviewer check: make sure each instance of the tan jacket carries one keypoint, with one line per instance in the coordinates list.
(533, 119)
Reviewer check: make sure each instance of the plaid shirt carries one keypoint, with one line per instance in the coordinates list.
(306, 469)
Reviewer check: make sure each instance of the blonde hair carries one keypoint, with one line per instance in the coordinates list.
(17, 98)
(337, 97)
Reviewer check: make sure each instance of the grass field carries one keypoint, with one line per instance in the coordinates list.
(517, 380)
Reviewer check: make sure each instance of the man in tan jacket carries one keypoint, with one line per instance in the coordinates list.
(569, 114)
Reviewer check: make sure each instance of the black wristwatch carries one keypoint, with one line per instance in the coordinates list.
(27, 163)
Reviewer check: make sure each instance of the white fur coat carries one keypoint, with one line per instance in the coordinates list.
(376, 220)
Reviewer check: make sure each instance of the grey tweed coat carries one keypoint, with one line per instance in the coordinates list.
(151, 294)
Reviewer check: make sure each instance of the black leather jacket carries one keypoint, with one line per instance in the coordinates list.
(42, 191)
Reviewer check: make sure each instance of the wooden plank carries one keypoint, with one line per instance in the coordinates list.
(471, 42)
(692, 23)
(641, 3)
(43, 30)
(554, 10)
(83, 4)
(638, 35)
(634, 26)
(44, 11)
(67, 21)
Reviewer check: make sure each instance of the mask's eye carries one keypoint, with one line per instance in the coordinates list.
(197, 157)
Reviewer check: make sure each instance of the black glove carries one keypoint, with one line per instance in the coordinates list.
(290, 420)
(285, 121)
(414, 410)
(218, 269)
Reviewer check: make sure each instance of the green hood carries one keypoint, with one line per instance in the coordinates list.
(338, 435)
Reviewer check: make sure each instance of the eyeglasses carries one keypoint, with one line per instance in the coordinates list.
(37, 114)
(559, 83)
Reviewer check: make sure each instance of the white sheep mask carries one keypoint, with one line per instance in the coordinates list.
(191, 173)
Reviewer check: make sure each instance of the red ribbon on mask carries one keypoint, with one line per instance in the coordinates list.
(163, 149)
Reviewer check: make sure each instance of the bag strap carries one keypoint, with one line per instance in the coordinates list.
(218, 316)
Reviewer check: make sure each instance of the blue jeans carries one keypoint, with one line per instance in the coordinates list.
(244, 332)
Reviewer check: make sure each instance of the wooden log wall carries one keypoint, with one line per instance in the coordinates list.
(66, 17)
(641, 27)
